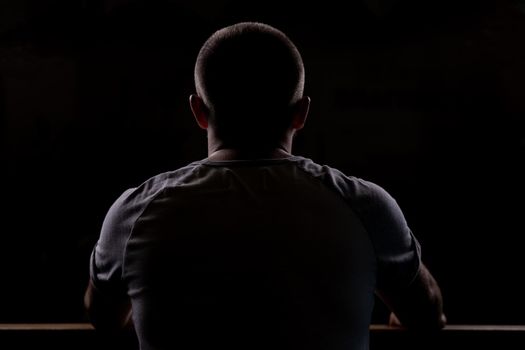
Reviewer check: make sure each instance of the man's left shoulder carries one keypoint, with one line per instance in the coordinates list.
(169, 178)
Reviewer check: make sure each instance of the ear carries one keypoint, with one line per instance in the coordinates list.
(300, 112)
(200, 111)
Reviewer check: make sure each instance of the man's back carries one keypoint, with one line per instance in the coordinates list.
(273, 251)
(282, 253)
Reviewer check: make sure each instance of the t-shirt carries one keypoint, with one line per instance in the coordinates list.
(253, 254)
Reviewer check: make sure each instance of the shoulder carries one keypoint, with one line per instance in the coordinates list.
(378, 211)
(132, 202)
(352, 188)
(155, 185)
(117, 227)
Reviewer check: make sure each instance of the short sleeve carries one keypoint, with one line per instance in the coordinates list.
(106, 260)
(397, 250)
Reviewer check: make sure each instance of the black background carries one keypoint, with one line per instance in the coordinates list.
(424, 98)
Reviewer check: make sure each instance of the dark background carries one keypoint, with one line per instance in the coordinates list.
(426, 99)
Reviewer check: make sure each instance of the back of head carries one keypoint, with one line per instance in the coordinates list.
(249, 76)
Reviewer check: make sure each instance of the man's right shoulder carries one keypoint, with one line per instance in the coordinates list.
(348, 186)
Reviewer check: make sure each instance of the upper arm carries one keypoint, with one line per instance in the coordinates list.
(403, 281)
(397, 251)
(106, 299)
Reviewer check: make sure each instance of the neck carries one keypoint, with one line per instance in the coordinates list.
(218, 150)
(248, 154)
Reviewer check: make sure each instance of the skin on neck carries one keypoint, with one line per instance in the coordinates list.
(218, 151)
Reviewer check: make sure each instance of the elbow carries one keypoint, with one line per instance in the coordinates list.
(428, 322)
(107, 315)
(418, 306)
(430, 318)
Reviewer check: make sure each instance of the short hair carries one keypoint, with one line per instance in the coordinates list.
(249, 75)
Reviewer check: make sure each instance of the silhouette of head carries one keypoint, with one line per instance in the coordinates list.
(249, 76)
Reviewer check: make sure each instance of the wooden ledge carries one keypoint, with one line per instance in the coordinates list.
(46, 327)
(373, 328)
(82, 336)
(457, 328)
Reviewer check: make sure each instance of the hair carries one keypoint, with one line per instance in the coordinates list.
(249, 76)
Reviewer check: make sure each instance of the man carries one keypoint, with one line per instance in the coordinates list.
(253, 247)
